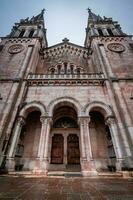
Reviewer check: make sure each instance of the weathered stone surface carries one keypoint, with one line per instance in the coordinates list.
(84, 94)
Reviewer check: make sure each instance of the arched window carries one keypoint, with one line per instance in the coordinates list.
(100, 32)
(59, 69)
(72, 68)
(52, 71)
(31, 33)
(22, 33)
(65, 68)
(110, 32)
(78, 71)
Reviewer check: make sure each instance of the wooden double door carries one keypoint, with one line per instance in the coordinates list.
(72, 150)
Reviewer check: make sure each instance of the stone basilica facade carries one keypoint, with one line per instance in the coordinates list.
(66, 106)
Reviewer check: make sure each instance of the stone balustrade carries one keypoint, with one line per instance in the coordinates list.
(66, 79)
(66, 76)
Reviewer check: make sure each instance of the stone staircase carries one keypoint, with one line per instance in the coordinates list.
(65, 170)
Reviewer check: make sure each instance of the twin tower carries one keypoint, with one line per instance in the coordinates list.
(66, 107)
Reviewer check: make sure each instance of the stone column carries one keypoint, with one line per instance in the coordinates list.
(105, 32)
(42, 160)
(42, 137)
(116, 138)
(87, 164)
(88, 139)
(49, 122)
(82, 137)
(14, 142)
(62, 70)
(35, 33)
(26, 34)
(68, 68)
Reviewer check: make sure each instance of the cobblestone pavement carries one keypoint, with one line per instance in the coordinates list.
(21, 188)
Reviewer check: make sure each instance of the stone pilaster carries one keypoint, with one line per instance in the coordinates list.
(10, 164)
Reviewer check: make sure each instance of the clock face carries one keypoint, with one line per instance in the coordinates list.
(16, 48)
(116, 47)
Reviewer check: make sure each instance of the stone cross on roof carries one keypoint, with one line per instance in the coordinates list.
(65, 40)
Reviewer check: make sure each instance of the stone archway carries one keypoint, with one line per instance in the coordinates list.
(64, 135)
(103, 143)
(106, 110)
(26, 137)
(32, 106)
(29, 140)
(70, 101)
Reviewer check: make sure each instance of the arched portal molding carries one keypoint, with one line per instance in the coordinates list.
(32, 106)
(101, 107)
(65, 101)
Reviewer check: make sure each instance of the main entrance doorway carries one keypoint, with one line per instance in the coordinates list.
(73, 154)
(57, 149)
(65, 148)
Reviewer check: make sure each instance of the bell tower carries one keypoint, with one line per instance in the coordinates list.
(98, 26)
(31, 28)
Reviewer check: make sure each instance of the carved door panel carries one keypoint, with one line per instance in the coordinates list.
(57, 149)
(73, 153)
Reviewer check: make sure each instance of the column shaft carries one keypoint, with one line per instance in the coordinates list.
(115, 137)
(42, 137)
(47, 139)
(89, 140)
(82, 134)
(16, 135)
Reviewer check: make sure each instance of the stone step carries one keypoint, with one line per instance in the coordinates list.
(20, 173)
(110, 174)
(65, 174)
(63, 167)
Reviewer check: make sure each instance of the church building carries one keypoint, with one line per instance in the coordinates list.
(66, 107)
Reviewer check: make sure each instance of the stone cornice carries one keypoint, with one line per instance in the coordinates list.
(65, 79)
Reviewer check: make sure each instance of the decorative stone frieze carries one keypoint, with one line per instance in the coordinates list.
(19, 40)
(112, 39)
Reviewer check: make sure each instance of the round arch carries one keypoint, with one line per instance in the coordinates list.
(69, 101)
(32, 106)
(104, 109)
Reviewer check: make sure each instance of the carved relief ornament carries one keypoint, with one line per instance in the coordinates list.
(16, 48)
(116, 47)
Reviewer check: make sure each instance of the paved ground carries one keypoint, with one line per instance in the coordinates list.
(65, 189)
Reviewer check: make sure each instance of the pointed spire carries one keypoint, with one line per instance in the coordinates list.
(93, 16)
(34, 19)
(38, 17)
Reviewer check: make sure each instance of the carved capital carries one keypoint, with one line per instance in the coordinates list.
(49, 120)
(84, 120)
(21, 121)
(42, 119)
(110, 120)
(46, 120)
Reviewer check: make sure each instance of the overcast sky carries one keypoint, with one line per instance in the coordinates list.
(65, 18)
